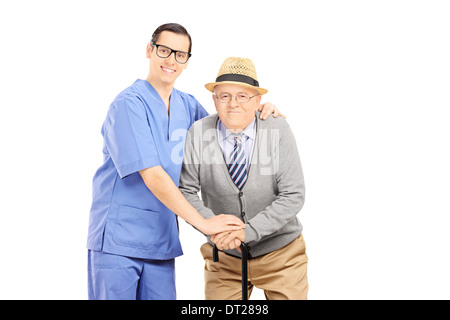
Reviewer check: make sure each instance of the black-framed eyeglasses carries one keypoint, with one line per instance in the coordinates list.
(240, 98)
(165, 52)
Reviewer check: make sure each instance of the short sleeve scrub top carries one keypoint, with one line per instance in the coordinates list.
(126, 218)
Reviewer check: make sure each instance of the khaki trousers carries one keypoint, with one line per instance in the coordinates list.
(281, 274)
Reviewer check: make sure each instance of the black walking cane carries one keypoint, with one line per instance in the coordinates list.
(244, 251)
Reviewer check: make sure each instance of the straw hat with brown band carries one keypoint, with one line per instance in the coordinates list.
(239, 71)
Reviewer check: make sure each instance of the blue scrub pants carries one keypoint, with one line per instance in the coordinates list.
(114, 277)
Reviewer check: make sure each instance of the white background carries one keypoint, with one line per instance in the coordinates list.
(365, 87)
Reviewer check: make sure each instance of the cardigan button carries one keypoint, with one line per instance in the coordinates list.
(241, 194)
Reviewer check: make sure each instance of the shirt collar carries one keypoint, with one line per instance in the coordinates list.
(249, 131)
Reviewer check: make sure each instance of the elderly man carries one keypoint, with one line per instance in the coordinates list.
(251, 169)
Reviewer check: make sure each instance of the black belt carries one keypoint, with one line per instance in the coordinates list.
(244, 259)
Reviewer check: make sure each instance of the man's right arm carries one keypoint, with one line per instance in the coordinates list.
(162, 186)
(190, 180)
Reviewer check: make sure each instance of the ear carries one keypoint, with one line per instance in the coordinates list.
(149, 50)
(214, 99)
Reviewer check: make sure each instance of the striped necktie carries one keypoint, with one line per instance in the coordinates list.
(238, 167)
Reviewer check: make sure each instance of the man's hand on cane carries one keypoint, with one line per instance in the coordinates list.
(229, 240)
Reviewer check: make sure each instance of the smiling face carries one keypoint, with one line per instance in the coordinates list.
(164, 71)
(234, 115)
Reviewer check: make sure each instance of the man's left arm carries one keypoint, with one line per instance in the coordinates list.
(267, 109)
(291, 191)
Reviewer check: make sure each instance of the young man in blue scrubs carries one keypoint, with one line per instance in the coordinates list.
(133, 229)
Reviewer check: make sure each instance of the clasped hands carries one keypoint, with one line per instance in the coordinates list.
(228, 240)
(226, 230)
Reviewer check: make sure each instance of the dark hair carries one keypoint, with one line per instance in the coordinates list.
(171, 27)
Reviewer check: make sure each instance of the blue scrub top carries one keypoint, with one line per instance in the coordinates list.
(126, 218)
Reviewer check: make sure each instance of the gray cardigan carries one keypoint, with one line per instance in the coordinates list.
(270, 199)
